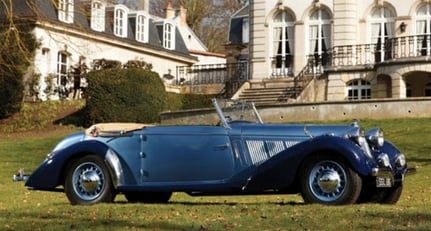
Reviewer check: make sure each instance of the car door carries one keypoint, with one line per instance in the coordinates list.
(186, 155)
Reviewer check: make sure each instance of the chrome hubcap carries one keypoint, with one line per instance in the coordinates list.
(88, 181)
(327, 181)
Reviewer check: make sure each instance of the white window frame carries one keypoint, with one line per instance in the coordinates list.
(62, 66)
(245, 30)
(98, 16)
(316, 36)
(283, 33)
(361, 87)
(423, 30)
(169, 35)
(384, 22)
(120, 21)
(142, 24)
(66, 11)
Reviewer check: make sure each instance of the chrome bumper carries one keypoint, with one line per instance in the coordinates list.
(20, 176)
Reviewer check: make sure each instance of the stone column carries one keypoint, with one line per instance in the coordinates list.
(345, 22)
(398, 86)
(258, 45)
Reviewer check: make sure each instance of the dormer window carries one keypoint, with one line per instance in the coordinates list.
(142, 28)
(98, 16)
(169, 36)
(120, 21)
(65, 11)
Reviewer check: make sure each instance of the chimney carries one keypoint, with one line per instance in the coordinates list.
(144, 5)
(183, 16)
(170, 11)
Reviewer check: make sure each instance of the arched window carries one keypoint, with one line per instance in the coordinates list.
(65, 11)
(169, 36)
(142, 28)
(382, 30)
(358, 89)
(423, 29)
(283, 43)
(320, 36)
(120, 21)
(98, 16)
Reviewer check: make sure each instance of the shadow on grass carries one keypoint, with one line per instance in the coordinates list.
(188, 203)
(78, 119)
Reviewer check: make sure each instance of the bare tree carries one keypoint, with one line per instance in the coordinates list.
(209, 19)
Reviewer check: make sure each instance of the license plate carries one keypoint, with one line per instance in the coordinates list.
(384, 182)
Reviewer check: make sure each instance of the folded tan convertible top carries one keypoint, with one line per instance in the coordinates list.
(102, 129)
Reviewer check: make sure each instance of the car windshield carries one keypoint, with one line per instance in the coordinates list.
(236, 110)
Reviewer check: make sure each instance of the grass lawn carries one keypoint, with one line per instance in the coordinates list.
(21, 209)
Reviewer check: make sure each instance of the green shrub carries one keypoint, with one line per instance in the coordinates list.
(174, 101)
(188, 101)
(124, 95)
(191, 101)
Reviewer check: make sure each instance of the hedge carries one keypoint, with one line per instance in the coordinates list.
(124, 95)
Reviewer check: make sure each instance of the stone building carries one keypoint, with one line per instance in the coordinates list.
(336, 49)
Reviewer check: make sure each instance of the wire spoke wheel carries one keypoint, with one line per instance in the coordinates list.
(328, 179)
(88, 181)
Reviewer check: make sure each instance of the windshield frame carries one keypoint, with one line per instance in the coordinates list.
(231, 110)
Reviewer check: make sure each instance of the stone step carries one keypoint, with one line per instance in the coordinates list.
(269, 95)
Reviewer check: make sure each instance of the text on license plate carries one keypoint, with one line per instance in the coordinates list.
(384, 181)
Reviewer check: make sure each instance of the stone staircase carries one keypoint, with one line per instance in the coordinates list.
(279, 90)
(270, 91)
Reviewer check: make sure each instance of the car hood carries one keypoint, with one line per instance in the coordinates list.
(299, 130)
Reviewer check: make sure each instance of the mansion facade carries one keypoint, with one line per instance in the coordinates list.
(91, 33)
(352, 49)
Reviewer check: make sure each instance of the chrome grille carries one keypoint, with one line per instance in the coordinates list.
(262, 149)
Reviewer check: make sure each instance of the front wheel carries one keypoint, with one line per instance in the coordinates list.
(88, 181)
(329, 180)
(381, 195)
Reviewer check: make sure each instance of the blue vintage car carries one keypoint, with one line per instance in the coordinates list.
(328, 164)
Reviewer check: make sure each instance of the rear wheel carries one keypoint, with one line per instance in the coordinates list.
(329, 180)
(88, 181)
(148, 197)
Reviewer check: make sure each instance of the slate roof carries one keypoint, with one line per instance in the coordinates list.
(44, 10)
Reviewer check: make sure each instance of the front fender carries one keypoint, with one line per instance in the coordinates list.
(283, 168)
(49, 174)
(343, 147)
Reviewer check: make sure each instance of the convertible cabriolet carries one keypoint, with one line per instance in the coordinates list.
(241, 155)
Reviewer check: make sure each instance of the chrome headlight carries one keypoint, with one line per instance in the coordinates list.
(400, 161)
(375, 137)
(383, 160)
(357, 134)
